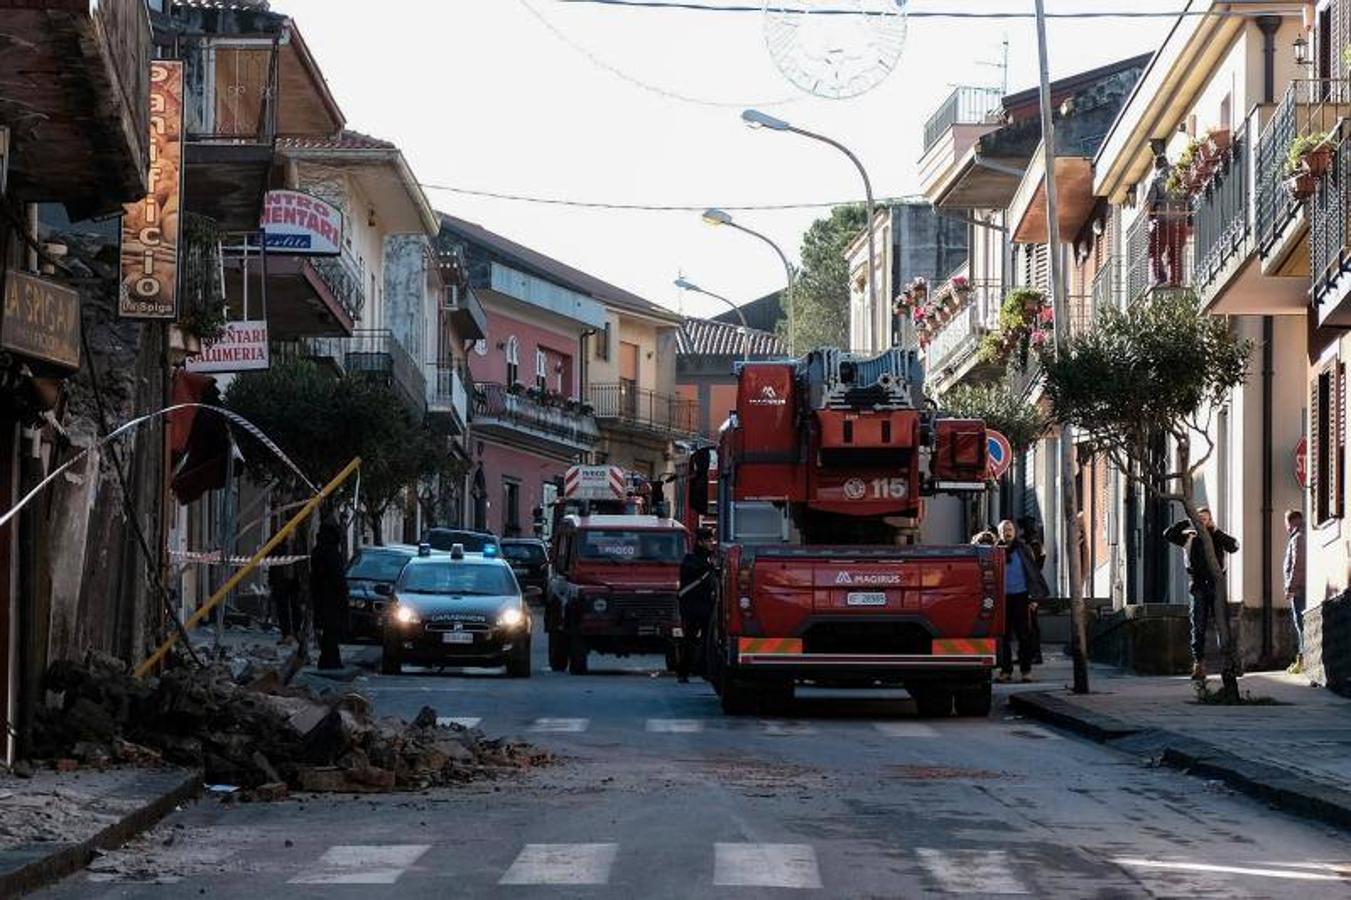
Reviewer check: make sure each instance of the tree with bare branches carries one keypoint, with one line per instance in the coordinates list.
(1159, 367)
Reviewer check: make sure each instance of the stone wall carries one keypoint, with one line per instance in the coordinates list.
(1327, 644)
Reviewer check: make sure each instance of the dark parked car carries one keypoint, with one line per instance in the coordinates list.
(370, 580)
(472, 541)
(459, 609)
(529, 559)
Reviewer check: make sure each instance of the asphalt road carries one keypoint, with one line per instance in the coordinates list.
(656, 794)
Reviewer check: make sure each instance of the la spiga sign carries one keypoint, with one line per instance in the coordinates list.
(298, 224)
(41, 320)
(242, 348)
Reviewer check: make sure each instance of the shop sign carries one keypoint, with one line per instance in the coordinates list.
(150, 227)
(41, 320)
(298, 224)
(242, 348)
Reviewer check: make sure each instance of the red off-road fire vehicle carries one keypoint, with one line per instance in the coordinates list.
(821, 474)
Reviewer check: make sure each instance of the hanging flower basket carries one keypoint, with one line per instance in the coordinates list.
(1318, 161)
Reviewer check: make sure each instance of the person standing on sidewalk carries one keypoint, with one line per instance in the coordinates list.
(1202, 585)
(1294, 581)
(328, 592)
(1024, 588)
(283, 583)
(695, 600)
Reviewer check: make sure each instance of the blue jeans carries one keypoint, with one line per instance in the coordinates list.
(1202, 611)
(1297, 613)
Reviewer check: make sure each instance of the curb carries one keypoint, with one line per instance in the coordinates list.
(65, 859)
(1277, 787)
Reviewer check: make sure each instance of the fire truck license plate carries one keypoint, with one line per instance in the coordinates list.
(457, 637)
(865, 598)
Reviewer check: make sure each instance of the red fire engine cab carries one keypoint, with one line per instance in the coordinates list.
(822, 470)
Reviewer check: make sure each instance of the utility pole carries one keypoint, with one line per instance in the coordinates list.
(1069, 545)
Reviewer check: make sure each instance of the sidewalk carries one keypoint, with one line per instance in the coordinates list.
(1294, 755)
(53, 823)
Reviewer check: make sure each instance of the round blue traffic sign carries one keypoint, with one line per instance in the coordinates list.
(999, 451)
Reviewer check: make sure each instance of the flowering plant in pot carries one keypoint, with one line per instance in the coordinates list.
(1310, 154)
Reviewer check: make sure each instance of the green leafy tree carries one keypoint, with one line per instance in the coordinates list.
(1162, 365)
(1006, 411)
(321, 422)
(820, 296)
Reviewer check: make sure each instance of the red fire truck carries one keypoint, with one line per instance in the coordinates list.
(822, 472)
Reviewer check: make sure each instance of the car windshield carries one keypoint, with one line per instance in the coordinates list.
(631, 546)
(377, 565)
(473, 542)
(530, 553)
(450, 577)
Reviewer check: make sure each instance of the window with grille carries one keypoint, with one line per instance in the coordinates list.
(1327, 442)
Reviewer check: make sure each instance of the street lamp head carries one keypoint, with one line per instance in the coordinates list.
(686, 285)
(717, 217)
(756, 119)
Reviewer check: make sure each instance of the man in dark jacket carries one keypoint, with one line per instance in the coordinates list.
(283, 583)
(1202, 585)
(1024, 587)
(328, 592)
(697, 575)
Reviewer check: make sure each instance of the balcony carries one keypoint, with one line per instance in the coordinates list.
(964, 106)
(1158, 255)
(950, 134)
(1330, 239)
(377, 354)
(539, 424)
(1310, 106)
(447, 399)
(301, 297)
(952, 352)
(1221, 213)
(623, 405)
(1109, 285)
(76, 79)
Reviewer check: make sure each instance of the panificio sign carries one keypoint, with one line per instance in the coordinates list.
(242, 348)
(41, 320)
(298, 224)
(151, 231)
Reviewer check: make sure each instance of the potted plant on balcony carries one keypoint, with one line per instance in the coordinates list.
(1310, 154)
(1217, 141)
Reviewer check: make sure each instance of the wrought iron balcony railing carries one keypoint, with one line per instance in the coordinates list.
(563, 420)
(1330, 222)
(447, 393)
(1109, 286)
(1309, 107)
(964, 106)
(642, 408)
(1221, 213)
(959, 337)
(343, 277)
(376, 353)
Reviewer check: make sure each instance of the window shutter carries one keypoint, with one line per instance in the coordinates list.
(1337, 437)
(1315, 451)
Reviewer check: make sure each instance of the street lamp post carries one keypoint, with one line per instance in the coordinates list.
(756, 119)
(686, 285)
(718, 217)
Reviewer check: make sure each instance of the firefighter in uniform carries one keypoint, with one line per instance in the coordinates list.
(695, 600)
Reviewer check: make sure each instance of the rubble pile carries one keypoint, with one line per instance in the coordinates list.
(249, 730)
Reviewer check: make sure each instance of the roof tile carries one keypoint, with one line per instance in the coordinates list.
(703, 337)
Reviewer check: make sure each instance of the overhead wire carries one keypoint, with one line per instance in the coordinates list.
(1254, 7)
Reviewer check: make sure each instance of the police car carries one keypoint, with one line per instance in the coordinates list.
(457, 609)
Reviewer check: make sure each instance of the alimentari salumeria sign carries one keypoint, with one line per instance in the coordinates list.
(242, 348)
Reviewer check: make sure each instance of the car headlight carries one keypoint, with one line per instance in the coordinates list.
(511, 618)
(406, 615)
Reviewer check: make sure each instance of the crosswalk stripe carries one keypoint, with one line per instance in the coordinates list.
(766, 865)
(906, 729)
(560, 725)
(562, 864)
(788, 729)
(675, 726)
(362, 864)
(971, 871)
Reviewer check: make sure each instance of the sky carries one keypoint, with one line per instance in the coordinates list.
(486, 95)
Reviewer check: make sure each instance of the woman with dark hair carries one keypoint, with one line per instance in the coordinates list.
(328, 592)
